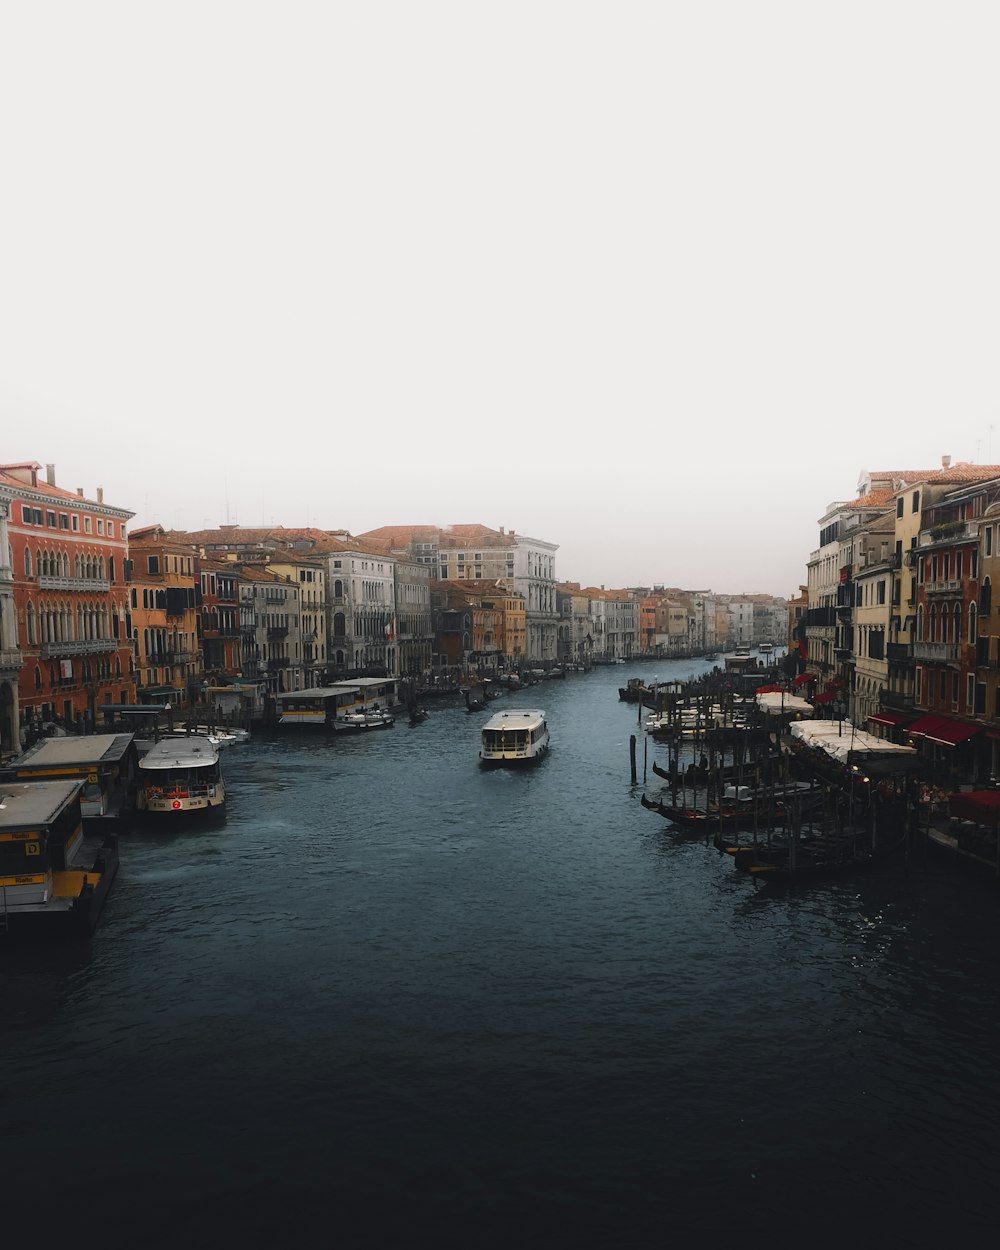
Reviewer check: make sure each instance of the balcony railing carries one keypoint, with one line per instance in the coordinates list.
(947, 534)
(170, 657)
(10, 659)
(898, 651)
(937, 652)
(95, 585)
(943, 586)
(87, 646)
(277, 631)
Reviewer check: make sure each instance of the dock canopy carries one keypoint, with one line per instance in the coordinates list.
(841, 741)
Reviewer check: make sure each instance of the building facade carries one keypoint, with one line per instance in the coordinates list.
(66, 605)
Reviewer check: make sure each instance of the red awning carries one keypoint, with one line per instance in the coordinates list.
(802, 679)
(887, 717)
(826, 696)
(945, 732)
(769, 690)
(950, 733)
(980, 806)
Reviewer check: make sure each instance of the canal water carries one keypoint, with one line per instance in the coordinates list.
(398, 1000)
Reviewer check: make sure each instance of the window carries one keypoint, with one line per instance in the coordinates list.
(111, 529)
(27, 514)
(63, 521)
(881, 590)
(915, 505)
(50, 520)
(899, 506)
(86, 524)
(76, 523)
(152, 564)
(988, 540)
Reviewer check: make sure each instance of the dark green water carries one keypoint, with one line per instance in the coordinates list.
(399, 1000)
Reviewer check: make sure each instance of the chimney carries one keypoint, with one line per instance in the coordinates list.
(50, 474)
(100, 494)
(79, 491)
(946, 462)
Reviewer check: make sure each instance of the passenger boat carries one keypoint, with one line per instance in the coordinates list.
(178, 775)
(54, 877)
(516, 736)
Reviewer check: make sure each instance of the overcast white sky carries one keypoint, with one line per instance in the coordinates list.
(653, 281)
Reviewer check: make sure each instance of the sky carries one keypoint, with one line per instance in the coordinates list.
(654, 282)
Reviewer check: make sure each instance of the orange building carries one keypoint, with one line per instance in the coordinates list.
(163, 590)
(67, 577)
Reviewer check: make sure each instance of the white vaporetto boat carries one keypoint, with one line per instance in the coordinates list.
(515, 736)
(179, 775)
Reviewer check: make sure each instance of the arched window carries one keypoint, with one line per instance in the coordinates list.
(985, 596)
(38, 678)
(973, 622)
(27, 562)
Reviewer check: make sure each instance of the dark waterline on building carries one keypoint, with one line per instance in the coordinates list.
(396, 998)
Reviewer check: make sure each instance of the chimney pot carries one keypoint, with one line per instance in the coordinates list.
(100, 494)
(50, 474)
(79, 491)
(946, 462)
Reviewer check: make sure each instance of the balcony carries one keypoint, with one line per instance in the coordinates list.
(937, 652)
(944, 586)
(274, 665)
(896, 699)
(899, 652)
(10, 659)
(277, 631)
(948, 534)
(94, 585)
(170, 657)
(88, 646)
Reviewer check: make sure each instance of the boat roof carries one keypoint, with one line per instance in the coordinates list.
(315, 692)
(27, 804)
(66, 752)
(514, 717)
(188, 751)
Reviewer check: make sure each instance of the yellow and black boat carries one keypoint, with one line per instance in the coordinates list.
(53, 877)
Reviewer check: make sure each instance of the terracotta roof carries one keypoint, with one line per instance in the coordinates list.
(42, 487)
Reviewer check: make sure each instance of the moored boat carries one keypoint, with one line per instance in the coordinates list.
(181, 775)
(54, 877)
(515, 736)
(365, 719)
